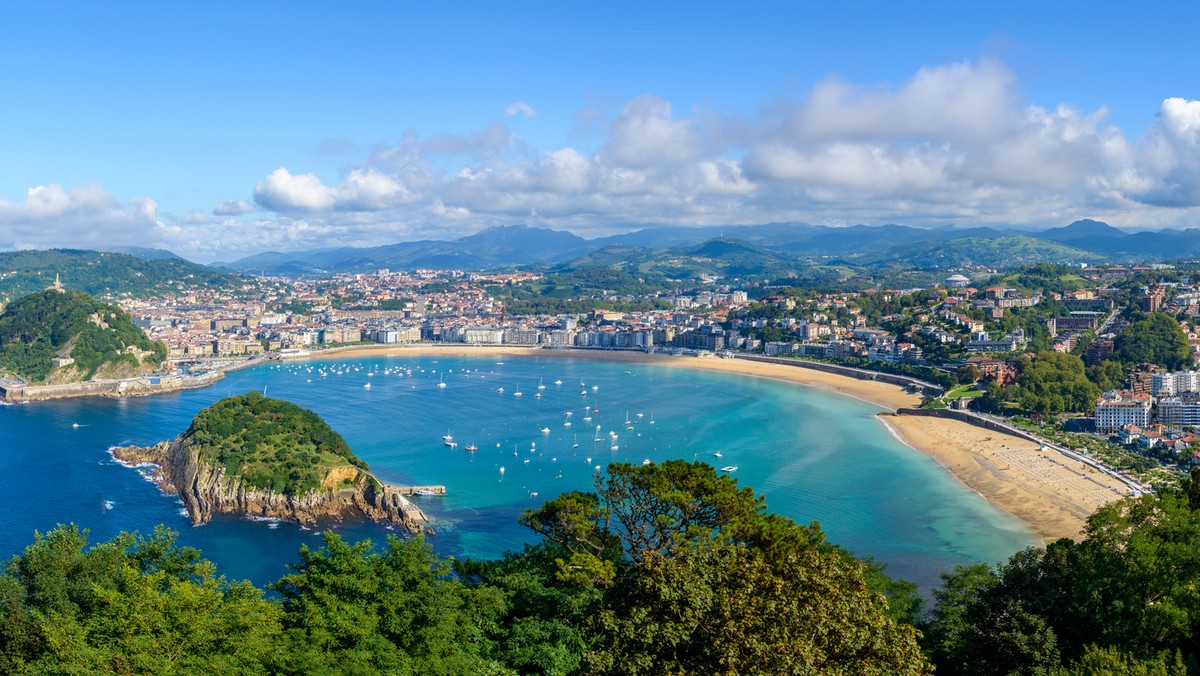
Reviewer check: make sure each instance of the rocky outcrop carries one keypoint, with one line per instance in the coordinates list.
(346, 493)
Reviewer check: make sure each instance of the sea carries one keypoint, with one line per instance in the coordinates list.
(814, 455)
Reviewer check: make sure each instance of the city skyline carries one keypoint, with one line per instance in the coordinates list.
(227, 130)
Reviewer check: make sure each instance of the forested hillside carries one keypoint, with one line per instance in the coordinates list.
(43, 326)
(97, 273)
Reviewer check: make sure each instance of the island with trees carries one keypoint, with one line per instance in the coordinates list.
(254, 455)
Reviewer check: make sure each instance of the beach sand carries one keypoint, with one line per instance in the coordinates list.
(1049, 492)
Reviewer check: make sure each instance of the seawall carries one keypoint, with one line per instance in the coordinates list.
(131, 387)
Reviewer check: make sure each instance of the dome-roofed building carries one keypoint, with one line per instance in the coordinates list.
(956, 281)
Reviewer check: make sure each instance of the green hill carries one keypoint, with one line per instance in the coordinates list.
(271, 443)
(100, 338)
(102, 273)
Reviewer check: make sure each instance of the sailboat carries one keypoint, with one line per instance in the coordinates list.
(517, 393)
(441, 381)
(576, 444)
(471, 448)
(540, 385)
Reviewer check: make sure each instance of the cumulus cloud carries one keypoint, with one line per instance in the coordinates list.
(85, 216)
(232, 208)
(521, 108)
(953, 144)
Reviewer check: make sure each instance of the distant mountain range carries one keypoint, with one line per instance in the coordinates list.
(782, 245)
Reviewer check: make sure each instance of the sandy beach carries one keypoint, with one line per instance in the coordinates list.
(1047, 491)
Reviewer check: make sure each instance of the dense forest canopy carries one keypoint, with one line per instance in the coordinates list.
(664, 569)
(37, 328)
(271, 443)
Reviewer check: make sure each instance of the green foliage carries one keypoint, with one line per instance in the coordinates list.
(703, 580)
(41, 326)
(1054, 382)
(132, 605)
(1108, 375)
(1123, 600)
(97, 273)
(270, 443)
(1097, 661)
(395, 611)
(1155, 339)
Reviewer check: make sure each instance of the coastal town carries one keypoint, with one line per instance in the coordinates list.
(976, 339)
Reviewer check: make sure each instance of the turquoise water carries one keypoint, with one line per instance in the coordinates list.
(814, 456)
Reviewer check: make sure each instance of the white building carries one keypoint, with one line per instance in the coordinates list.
(1168, 384)
(1118, 408)
(1181, 409)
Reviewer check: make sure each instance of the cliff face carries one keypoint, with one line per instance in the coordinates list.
(206, 490)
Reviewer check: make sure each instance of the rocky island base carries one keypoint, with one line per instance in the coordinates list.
(255, 456)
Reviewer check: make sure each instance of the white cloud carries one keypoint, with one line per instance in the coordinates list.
(957, 143)
(87, 216)
(287, 193)
(521, 108)
(232, 208)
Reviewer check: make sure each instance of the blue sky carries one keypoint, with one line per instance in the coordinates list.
(222, 129)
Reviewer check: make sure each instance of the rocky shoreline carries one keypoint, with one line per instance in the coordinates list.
(346, 493)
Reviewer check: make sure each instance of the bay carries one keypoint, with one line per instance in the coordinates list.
(814, 455)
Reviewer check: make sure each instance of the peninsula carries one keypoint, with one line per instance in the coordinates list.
(257, 456)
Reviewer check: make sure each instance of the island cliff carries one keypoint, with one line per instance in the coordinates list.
(269, 458)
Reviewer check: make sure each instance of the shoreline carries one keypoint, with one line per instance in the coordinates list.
(1050, 493)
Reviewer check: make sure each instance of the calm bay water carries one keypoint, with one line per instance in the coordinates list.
(813, 454)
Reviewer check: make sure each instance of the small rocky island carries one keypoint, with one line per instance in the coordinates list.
(252, 455)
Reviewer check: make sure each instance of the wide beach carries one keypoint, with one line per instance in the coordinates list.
(1049, 492)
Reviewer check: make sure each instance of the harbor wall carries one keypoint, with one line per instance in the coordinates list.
(133, 387)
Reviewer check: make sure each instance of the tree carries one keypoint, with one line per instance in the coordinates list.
(396, 610)
(1054, 382)
(1155, 339)
(1108, 374)
(703, 580)
(131, 605)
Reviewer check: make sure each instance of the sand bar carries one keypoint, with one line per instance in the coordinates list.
(1050, 493)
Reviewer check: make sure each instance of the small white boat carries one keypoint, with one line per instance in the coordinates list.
(729, 468)
(540, 385)
(452, 444)
(576, 444)
(558, 382)
(448, 436)
(545, 430)
(367, 386)
(614, 447)
(471, 448)
(441, 382)
(646, 462)
(718, 455)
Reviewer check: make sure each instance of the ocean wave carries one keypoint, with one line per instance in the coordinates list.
(130, 465)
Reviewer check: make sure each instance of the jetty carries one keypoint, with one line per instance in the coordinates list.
(420, 490)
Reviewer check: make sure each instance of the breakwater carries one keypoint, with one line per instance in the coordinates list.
(130, 387)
